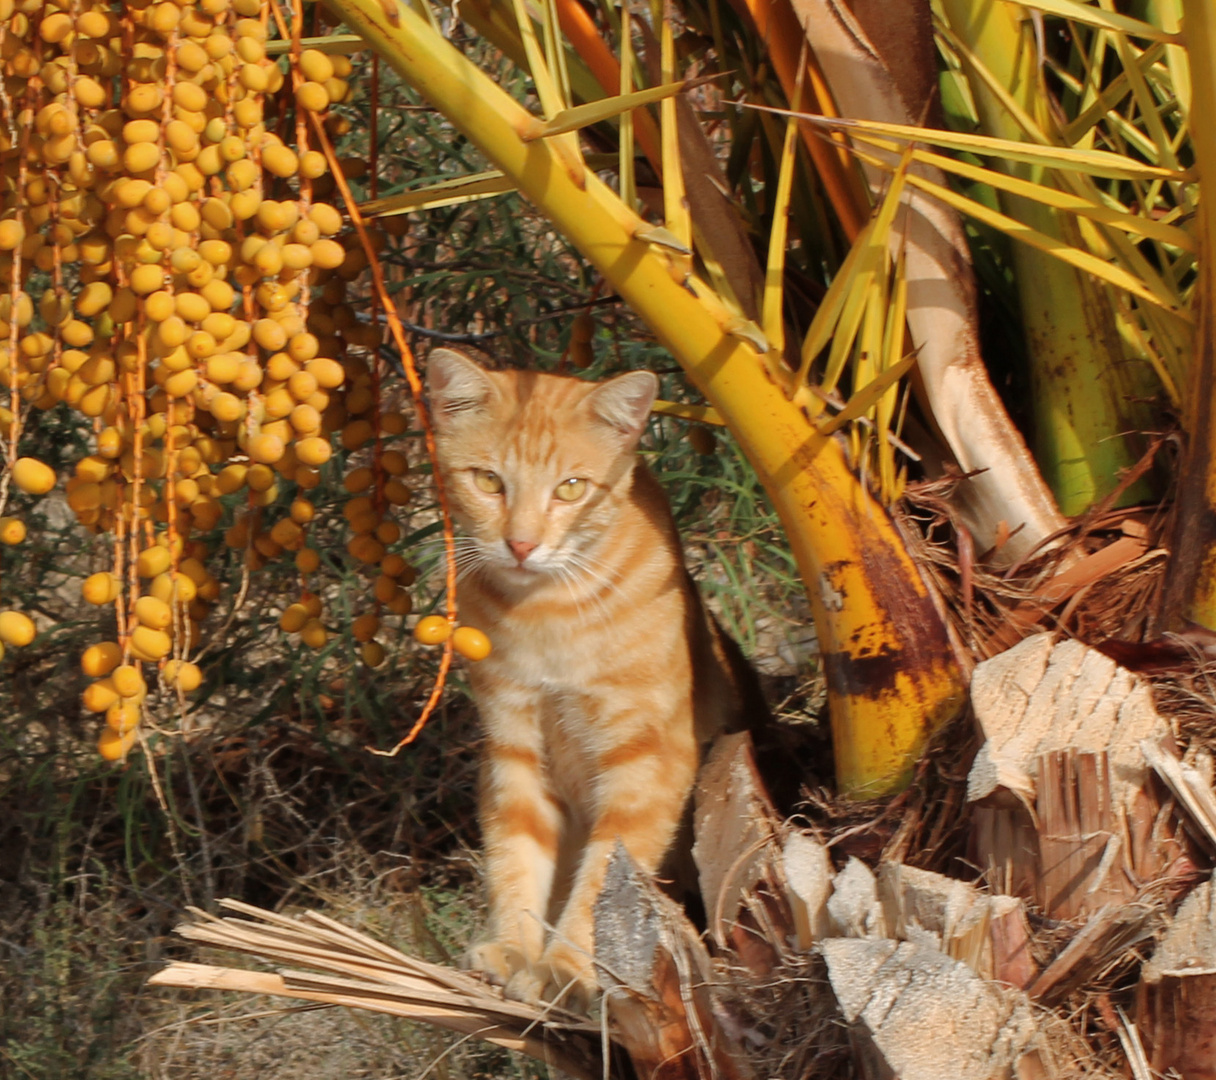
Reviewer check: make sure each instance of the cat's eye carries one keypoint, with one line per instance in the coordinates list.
(571, 490)
(489, 482)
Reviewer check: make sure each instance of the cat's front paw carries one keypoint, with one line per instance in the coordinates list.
(497, 962)
(563, 976)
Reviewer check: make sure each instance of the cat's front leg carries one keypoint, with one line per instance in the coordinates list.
(641, 789)
(521, 824)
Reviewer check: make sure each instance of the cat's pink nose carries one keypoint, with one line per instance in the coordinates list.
(521, 549)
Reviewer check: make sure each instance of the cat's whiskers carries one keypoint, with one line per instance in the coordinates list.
(594, 564)
(571, 580)
(432, 551)
(574, 571)
(470, 560)
(564, 575)
(590, 570)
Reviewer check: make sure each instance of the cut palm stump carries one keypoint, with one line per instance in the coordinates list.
(989, 934)
(660, 992)
(1067, 811)
(924, 968)
(916, 1014)
(1176, 998)
(737, 858)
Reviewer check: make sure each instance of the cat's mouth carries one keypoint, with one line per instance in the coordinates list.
(517, 571)
(526, 571)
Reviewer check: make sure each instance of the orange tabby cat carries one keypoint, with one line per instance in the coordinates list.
(606, 679)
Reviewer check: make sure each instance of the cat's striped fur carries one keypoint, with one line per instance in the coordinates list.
(606, 679)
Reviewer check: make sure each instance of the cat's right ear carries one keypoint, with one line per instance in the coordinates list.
(455, 385)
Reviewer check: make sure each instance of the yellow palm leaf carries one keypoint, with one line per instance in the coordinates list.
(1097, 17)
(593, 112)
(462, 189)
(1093, 162)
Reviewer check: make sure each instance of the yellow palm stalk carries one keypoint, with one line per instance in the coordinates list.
(891, 674)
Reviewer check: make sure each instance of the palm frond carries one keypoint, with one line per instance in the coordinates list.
(346, 967)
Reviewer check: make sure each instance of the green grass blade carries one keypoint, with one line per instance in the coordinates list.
(676, 215)
(773, 314)
(867, 397)
(1168, 15)
(1109, 97)
(333, 44)
(976, 69)
(626, 172)
(1124, 220)
(1146, 344)
(551, 101)
(828, 312)
(1148, 105)
(555, 53)
(871, 262)
(839, 307)
(1094, 61)
(892, 349)
(1082, 260)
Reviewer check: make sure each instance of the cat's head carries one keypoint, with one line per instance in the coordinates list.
(536, 466)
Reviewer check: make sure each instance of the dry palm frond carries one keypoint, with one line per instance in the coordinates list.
(359, 972)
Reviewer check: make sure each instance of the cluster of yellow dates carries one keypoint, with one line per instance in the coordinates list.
(172, 267)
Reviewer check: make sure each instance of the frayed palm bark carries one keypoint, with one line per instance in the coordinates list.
(1097, 580)
(910, 973)
(1065, 809)
(660, 991)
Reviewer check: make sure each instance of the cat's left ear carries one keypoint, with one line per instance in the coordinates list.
(456, 386)
(624, 402)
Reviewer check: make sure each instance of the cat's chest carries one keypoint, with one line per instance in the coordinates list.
(587, 648)
(550, 645)
(550, 658)
(546, 698)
